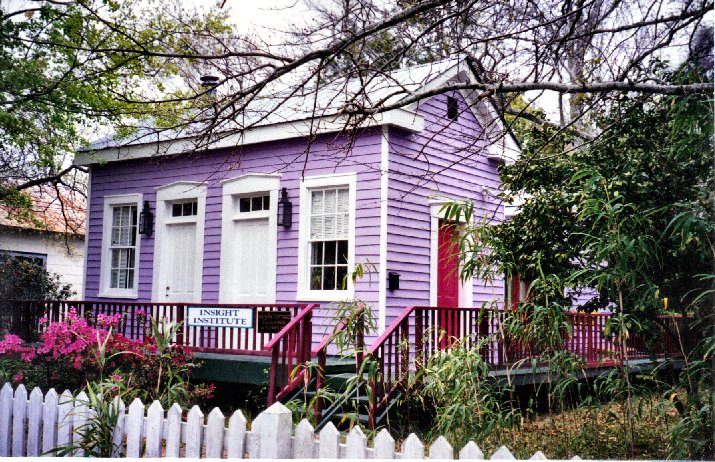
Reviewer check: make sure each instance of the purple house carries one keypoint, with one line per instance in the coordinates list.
(371, 197)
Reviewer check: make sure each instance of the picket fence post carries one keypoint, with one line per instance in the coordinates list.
(49, 422)
(276, 428)
(34, 423)
(304, 442)
(6, 400)
(236, 435)
(64, 419)
(384, 445)
(80, 415)
(173, 431)
(19, 421)
(38, 425)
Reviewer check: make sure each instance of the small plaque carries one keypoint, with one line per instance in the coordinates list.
(271, 322)
(216, 316)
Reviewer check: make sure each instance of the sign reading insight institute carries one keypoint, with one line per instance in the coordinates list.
(207, 316)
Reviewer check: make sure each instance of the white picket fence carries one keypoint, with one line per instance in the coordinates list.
(34, 426)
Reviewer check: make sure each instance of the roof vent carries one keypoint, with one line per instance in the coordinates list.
(209, 82)
(452, 108)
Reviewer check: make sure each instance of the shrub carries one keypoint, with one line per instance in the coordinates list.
(22, 279)
(73, 353)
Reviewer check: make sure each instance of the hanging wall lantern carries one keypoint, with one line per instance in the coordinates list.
(285, 210)
(146, 220)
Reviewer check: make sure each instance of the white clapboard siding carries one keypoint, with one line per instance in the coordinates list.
(36, 425)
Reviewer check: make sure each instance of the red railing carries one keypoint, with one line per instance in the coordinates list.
(289, 349)
(134, 322)
(418, 332)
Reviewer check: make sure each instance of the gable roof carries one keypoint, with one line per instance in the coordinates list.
(314, 110)
(48, 213)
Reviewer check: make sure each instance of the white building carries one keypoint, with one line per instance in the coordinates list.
(53, 236)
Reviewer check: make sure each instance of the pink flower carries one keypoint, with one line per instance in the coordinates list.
(116, 377)
(18, 377)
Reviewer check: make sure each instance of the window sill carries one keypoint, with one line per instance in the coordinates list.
(123, 295)
(324, 295)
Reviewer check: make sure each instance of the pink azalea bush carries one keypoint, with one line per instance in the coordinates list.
(74, 352)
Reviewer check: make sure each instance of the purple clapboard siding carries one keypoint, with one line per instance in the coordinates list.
(446, 160)
(327, 155)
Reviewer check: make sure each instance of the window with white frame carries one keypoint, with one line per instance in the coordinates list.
(120, 246)
(327, 237)
(329, 225)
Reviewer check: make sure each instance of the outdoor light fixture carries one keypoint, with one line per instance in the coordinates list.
(146, 220)
(393, 280)
(285, 210)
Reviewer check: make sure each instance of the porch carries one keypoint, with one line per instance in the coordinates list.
(279, 337)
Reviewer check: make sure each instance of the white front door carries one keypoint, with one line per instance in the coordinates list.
(251, 280)
(179, 264)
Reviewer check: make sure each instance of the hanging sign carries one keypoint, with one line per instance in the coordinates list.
(208, 316)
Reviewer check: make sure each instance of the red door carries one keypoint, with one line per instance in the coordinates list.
(447, 281)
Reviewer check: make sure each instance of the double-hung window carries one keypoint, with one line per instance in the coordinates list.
(120, 246)
(327, 237)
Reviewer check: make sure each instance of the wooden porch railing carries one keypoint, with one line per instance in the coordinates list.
(290, 348)
(418, 332)
(135, 315)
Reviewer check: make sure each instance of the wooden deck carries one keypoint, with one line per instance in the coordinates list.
(399, 352)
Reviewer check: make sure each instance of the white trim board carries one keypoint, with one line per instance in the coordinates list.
(232, 189)
(87, 214)
(322, 181)
(384, 202)
(166, 194)
(402, 118)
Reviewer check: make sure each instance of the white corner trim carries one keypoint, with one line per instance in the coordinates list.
(466, 288)
(384, 190)
(247, 184)
(87, 214)
(402, 118)
(323, 181)
(165, 194)
(105, 259)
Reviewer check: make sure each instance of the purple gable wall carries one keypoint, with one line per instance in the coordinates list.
(447, 159)
(327, 155)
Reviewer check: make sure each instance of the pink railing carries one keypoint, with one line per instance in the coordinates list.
(418, 332)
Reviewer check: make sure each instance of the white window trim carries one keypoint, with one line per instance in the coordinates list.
(246, 185)
(466, 288)
(179, 190)
(105, 272)
(315, 182)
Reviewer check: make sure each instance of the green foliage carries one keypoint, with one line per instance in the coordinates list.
(96, 437)
(629, 216)
(68, 67)
(304, 406)
(22, 279)
(693, 396)
(468, 403)
(654, 161)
